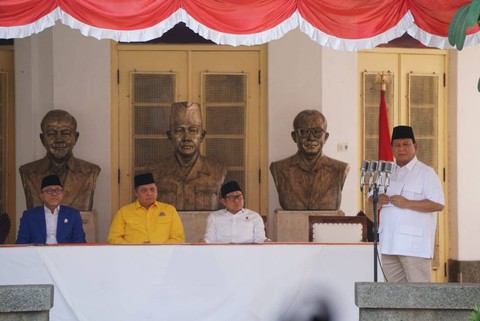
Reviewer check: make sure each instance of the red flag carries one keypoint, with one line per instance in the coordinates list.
(384, 148)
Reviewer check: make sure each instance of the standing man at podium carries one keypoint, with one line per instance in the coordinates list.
(409, 213)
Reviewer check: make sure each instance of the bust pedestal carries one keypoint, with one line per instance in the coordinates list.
(194, 224)
(89, 219)
(293, 226)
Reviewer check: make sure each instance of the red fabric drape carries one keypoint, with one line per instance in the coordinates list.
(240, 17)
(120, 14)
(384, 148)
(340, 24)
(353, 19)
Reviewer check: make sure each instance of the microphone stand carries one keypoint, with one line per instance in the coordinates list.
(378, 177)
(375, 233)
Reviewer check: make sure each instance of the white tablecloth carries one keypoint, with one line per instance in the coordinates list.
(191, 282)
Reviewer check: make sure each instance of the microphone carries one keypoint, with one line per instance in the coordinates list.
(388, 172)
(372, 169)
(364, 170)
(381, 173)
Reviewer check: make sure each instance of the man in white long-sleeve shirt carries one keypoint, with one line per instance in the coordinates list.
(409, 213)
(234, 224)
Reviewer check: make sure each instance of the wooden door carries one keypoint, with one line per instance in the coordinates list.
(226, 83)
(7, 142)
(415, 97)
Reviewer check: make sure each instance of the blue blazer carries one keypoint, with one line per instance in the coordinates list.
(33, 228)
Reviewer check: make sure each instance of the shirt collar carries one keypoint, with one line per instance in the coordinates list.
(410, 164)
(138, 205)
(55, 211)
(239, 212)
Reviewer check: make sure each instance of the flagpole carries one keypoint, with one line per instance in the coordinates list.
(375, 233)
(385, 154)
(383, 89)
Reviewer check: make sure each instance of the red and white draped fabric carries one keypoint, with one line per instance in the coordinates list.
(339, 24)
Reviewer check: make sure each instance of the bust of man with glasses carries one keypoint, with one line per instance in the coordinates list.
(187, 180)
(59, 136)
(309, 180)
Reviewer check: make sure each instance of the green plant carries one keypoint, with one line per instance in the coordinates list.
(475, 316)
(466, 16)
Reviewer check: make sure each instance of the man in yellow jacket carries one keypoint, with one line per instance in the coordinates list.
(146, 220)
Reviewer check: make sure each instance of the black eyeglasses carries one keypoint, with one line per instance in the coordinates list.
(52, 191)
(305, 132)
(232, 198)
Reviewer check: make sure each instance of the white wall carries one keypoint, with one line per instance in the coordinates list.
(61, 69)
(33, 98)
(340, 106)
(300, 77)
(465, 175)
(294, 84)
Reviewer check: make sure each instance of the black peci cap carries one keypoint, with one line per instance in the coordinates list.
(400, 132)
(51, 180)
(229, 187)
(143, 179)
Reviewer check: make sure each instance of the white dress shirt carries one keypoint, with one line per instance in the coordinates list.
(404, 231)
(245, 226)
(51, 220)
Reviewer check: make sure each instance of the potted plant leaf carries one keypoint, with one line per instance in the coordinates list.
(475, 316)
(466, 16)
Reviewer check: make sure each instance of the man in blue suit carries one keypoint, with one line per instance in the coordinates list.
(51, 223)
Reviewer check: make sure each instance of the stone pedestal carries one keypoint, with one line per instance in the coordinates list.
(293, 226)
(26, 302)
(416, 301)
(464, 271)
(89, 220)
(194, 224)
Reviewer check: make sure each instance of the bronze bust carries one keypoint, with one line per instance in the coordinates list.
(59, 136)
(186, 179)
(309, 180)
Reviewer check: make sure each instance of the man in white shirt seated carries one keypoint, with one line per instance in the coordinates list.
(234, 224)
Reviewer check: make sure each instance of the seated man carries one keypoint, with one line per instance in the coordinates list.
(146, 220)
(51, 223)
(234, 224)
